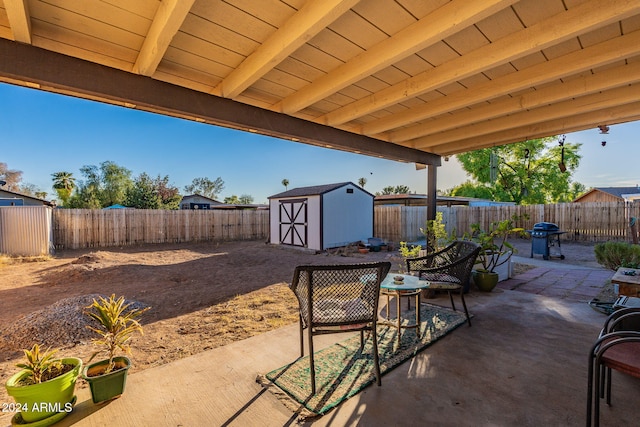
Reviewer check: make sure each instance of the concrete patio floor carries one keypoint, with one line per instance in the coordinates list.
(522, 363)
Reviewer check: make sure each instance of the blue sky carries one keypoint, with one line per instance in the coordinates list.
(42, 133)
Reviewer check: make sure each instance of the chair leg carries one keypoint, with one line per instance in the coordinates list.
(453, 305)
(590, 390)
(608, 381)
(597, 386)
(312, 367)
(464, 305)
(301, 338)
(376, 357)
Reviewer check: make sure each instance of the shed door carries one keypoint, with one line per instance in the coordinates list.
(293, 222)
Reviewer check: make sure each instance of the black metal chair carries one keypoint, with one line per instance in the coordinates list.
(338, 298)
(617, 348)
(448, 269)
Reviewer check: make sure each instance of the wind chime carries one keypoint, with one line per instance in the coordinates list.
(561, 165)
(493, 167)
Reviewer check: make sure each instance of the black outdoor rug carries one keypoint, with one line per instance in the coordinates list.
(342, 370)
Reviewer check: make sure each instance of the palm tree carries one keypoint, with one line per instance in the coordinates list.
(362, 182)
(285, 182)
(63, 183)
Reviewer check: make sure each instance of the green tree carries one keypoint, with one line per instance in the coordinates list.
(246, 199)
(152, 193)
(143, 194)
(116, 181)
(63, 183)
(285, 182)
(205, 187)
(398, 189)
(469, 189)
(525, 173)
(233, 200)
(362, 182)
(103, 186)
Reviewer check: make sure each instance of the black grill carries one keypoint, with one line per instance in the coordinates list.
(544, 236)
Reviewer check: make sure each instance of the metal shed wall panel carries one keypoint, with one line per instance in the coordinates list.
(347, 216)
(25, 230)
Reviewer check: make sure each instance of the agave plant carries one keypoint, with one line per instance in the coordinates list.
(40, 364)
(117, 323)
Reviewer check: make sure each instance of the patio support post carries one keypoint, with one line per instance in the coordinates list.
(432, 173)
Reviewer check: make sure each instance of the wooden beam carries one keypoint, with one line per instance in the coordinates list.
(577, 87)
(584, 104)
(566, 65)
(19, 20)
(314, 17)
(619, 114)
(166, 23)
(443, 22)
(561, 27)
(35, 67)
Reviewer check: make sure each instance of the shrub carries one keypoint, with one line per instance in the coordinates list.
(614, 255)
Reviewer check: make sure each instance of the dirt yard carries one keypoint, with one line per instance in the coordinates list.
(201, 296)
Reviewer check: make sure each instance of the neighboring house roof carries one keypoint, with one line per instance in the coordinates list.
(314, 190)
(614, 191)
(421, 199)
(13, 194)
(200, 197)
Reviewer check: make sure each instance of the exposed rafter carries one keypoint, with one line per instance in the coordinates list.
(554, 93)
(600, 101)
(570, 64)
(19, 20)
(618, 114)
(584, 17)
(306, 23)
(443, 22)
(165, 25)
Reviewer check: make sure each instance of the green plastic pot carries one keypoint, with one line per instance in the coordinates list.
(485, 280)
(40, 401)
(107, 386)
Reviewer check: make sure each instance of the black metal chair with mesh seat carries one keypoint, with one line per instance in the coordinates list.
(448, 269)
(617, 348)
(338, 298)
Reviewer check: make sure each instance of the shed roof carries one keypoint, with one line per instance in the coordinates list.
(315, 190)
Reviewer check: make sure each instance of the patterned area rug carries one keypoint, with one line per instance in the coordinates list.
(342, 370)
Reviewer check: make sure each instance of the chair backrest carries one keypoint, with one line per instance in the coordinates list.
(335, 295)
(454, 252)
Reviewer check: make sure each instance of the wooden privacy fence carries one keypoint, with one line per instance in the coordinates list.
(583, 222)
(86, 228)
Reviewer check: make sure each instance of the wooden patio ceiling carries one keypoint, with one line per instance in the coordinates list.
(409, 80)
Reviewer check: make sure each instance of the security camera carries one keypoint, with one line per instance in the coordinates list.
(603, 143)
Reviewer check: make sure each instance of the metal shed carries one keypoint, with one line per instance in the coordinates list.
(322, 216)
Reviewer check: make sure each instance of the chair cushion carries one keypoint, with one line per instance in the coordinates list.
(336, 311)
(623, 357)
(440, 277)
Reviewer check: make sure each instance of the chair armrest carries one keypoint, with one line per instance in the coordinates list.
(612, 339)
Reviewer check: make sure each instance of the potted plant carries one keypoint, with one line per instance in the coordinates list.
(116, 324)
(43, 389)
(495, 250)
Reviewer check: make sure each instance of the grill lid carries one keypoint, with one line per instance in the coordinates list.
(545, 226)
